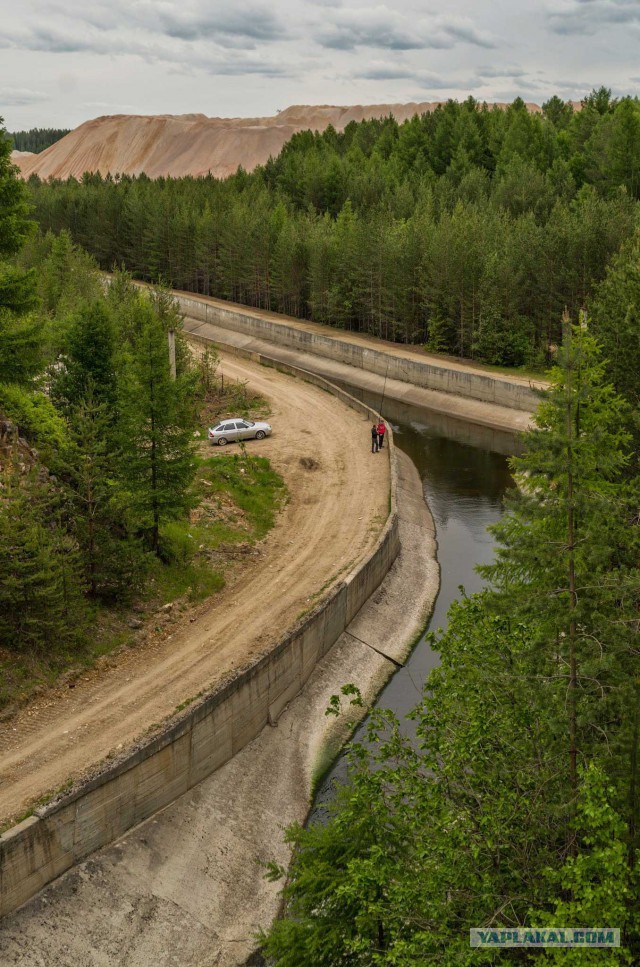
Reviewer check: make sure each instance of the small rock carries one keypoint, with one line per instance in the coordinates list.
(135, 623)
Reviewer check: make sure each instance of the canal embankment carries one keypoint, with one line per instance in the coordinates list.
(244, 672)
(455, 388)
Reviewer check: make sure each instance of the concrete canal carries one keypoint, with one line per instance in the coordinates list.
(465, 474)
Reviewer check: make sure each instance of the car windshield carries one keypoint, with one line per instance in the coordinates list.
(249, 422)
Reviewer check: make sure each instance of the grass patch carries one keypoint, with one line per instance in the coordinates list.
(249, 481)
(197, 580)
(22, 675)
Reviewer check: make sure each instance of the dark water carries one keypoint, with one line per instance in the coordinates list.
(464, 480)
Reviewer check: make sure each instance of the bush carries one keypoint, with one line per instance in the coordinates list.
(176, 545)
(35, 415)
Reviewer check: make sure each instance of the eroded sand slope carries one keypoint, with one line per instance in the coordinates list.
(193, 144)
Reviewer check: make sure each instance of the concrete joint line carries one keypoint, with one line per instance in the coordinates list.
(393, 661)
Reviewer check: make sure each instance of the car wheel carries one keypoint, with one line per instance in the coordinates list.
(222, 442)
(260, 435)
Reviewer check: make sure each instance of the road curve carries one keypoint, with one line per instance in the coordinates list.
(330, 522)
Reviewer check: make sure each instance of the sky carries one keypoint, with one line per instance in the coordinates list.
(65, 61)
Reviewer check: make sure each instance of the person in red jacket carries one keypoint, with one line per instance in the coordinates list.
(381, 432)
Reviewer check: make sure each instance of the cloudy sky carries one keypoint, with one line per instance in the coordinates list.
(64, 61)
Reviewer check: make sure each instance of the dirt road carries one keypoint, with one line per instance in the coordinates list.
(331, 520)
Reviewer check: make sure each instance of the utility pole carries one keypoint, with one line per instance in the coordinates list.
(384, 386)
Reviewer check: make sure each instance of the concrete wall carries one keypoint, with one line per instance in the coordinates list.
(190, 748)
(313, 338)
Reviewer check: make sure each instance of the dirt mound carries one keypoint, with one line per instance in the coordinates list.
(21, 158)
(192, 144)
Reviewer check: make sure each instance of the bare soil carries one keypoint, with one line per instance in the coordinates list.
(331, 521)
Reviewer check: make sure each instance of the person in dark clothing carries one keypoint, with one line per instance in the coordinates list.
(381, 428)
(374, 438)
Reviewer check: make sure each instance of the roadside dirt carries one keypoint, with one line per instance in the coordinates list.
(338, 504)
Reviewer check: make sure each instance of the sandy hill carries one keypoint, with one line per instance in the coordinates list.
(22, 157)
(191, 144)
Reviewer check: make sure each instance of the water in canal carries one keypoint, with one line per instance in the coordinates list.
(464, 476)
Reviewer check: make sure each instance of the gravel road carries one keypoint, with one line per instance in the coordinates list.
(332, 519)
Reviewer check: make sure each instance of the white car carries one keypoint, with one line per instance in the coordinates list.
(237, 429)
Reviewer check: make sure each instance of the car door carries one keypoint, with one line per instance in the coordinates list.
(229, 431)
(244, 430)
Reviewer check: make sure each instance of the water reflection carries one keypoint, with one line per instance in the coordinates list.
(464, 483)
(463, 486)
(447, 427)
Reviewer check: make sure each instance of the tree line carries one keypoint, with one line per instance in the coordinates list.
(469, 229)
(101, 459)
(37, 139)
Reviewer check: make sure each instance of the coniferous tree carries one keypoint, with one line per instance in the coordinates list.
(41, 604)
(99, 519)
(87, 368)
(566, 550)
(155, 429)
(615, 320)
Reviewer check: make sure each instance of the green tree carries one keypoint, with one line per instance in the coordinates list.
(15, 225)
(156, 424)
(615, 321)
(88, 366)
(567, 554)
(596, 887)
(41, 604)
(113, 560)
(18, 338)
(21, 347)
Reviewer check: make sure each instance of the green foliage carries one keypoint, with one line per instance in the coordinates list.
(17, 288)
(20, 347)
(518, 803)
(41, 603)
(101, 523)
(15, 226)
(596, 886)
(37, 139)
(66, 274)
(35, 415)
(155, 428)
(469, 229)
(88, 366)
(615, 321)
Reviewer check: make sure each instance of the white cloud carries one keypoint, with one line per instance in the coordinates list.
(249, 57)
(20, 96)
